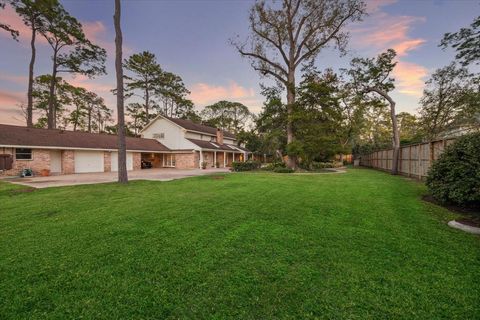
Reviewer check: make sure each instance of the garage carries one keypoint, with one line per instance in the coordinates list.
(88, 161)
(115, 161)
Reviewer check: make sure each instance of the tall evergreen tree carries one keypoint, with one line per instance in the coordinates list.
(72, 52)
(122, 145)
(33, 15)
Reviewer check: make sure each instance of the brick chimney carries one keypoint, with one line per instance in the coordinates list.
(219, 136)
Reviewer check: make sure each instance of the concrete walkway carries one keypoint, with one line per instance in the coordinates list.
(102, 177)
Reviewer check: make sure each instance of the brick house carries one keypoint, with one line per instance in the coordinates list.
(67, 152)
(209, 145)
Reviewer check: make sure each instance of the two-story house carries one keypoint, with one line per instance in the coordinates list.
(192, 144)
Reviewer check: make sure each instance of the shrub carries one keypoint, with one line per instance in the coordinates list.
(323, 165)
(245, 166)
(272, 166)
(455, 176)
(283, 170)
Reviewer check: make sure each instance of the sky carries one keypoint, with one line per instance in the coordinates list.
(191, 38)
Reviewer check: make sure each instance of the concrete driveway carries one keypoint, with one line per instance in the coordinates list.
(102, 177)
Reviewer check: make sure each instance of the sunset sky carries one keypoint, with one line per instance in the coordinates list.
(190, 38)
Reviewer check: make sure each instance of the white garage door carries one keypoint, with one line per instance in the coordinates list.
(88, 161)
(115, 161)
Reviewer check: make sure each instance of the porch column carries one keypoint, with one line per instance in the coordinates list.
(224, 159)
(201, 159)
(245, 155)
(215, 159)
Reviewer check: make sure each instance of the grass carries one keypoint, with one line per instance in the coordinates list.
(359, 245)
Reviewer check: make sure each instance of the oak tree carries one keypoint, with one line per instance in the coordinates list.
(287, 36)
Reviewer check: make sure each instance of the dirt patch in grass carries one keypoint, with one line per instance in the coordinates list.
(470, 214)
(218, 177)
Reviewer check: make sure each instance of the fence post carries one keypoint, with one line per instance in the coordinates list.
(409, 161)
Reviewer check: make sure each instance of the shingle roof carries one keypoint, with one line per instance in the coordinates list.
(190, 125)
(215, 146)
(34, 137)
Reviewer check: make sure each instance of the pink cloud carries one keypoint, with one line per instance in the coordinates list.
(14, 78)
(382, 31)
(203, 93)
(410, 78)
(387, 31)
(9, 107)
(375, 5)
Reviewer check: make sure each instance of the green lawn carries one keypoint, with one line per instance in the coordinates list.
(360, 245)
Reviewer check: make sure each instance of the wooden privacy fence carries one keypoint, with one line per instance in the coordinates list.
(414, 160)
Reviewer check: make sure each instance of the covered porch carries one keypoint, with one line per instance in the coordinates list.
(221, 159)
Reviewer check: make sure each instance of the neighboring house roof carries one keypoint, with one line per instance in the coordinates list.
(215, 146)
(34, 137)
(192, 126)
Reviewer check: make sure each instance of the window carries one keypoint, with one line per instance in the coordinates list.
(23, 154)
(159, 135)
(169, 160)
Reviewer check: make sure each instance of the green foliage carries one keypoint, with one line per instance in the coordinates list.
(230, 116)
(450, 101)
(249, 165)
(455, 176)
(274, 165)
(160, 91)
(323, 165)
(466, 42)
(283, 170)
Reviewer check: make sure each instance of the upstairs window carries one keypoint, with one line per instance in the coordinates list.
(23, 154)
(159, 135)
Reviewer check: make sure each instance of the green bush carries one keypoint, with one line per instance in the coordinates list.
(245, 166)
(274, 165)
(283, 170)
(455, 176)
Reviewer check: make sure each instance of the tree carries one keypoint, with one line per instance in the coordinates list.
(284, 38)
(173, 94)
(146, 75)
(97, 113)
(449, 101)
(41, 97)
(137, 113)
(161, 91)
(122, 145)
(78, 116)
(63, 32)
(231, 116)
(373, 76)
(409, 128)
(466, 42)
(33, 15)
(14, 33)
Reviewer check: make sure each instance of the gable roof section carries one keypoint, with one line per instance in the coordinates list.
(215, 146)
(34, 137)
(192, 126)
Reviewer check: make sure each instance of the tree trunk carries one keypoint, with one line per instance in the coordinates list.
(51, 98)
(395, 140)
(147, 104)
(122, 152)
(30, 77)
(291, 161)
(90, 119)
